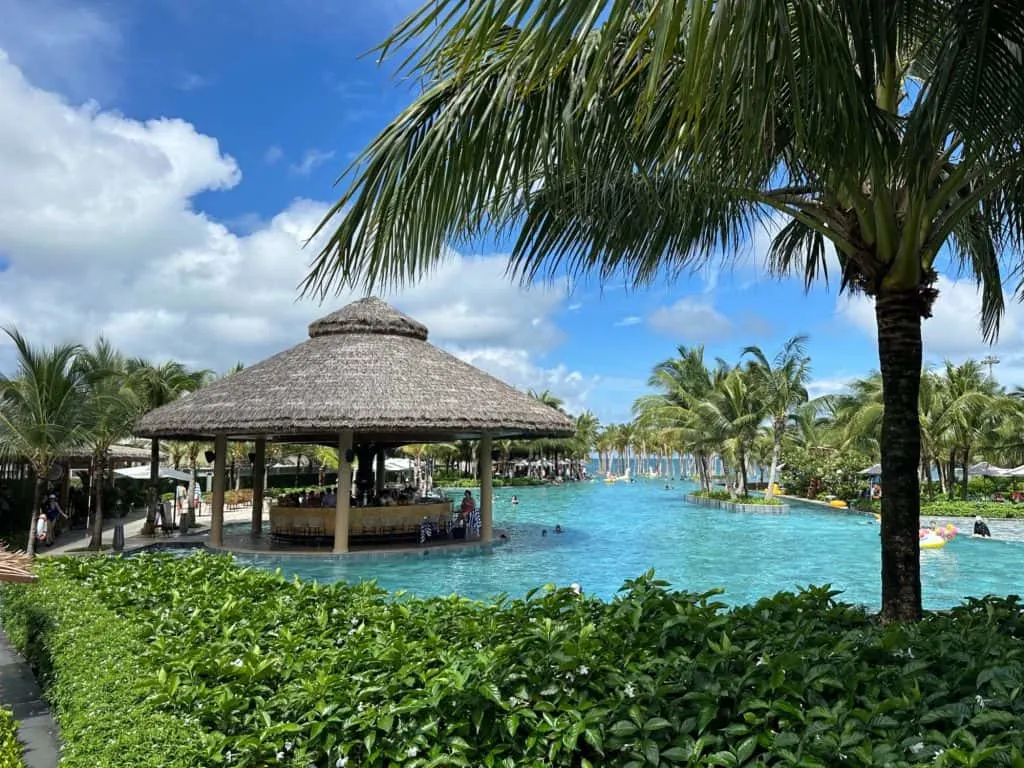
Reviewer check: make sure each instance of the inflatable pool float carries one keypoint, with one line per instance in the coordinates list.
(932, 541)
(838, 504)
(877, 515)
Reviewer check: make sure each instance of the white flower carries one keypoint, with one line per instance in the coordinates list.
(979, 701)
(478, 645)
(236, 663)
(583, 669)
(515, 701)
(412, 751)
(917, 748)
(229, 757)
(361, 707)
(629, 691)
(341, 762)
(280, 755)
(760, 661)
(355, 622)
(288, 746)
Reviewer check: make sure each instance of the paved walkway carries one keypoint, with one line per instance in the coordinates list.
(20, 692)
(77, 541)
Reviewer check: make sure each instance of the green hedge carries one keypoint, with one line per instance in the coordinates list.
(10, 747)
(499, 482)
(95, 668)
(724, 496)
(156, 661)
(993, 510)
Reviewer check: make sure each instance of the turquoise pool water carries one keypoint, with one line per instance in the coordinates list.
(616, 532)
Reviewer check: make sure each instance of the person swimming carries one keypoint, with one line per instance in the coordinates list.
(515, 500)
(558, 529)
(981, 528)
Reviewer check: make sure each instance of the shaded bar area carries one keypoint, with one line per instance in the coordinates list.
(365, 382)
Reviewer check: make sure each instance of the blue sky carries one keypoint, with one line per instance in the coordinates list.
(282, 91)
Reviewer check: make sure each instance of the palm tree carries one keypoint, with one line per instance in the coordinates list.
(782, 383)
(41, 412)
(109, 411)
(157, 385)
(639, 138)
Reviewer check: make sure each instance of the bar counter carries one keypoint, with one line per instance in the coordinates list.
(363, 521)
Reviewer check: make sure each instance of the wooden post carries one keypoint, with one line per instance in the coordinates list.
(379, 474)
(486, 489)
(220, 447)
(259, 478)
(341, 511)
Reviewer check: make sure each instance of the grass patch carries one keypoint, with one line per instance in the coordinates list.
(161, 661)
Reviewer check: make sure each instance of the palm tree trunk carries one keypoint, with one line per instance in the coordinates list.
(154, 480)
(37, 496)
(898, 316)
(96, 541)
(742, 470)
(776, 453)
(967, 463)
(951, 474)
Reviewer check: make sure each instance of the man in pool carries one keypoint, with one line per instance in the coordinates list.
(981, 528)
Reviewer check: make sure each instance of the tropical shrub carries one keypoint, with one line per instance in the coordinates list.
(724, 496)
(157, 661)
(498, 482)
(10, 747)
(943, 508)
(813, 473)
(96, 667)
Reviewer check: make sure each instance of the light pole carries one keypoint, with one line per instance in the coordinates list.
(990, 361)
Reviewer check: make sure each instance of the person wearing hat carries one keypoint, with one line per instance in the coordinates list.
(981, 528)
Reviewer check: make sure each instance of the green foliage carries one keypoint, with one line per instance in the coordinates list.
(157, 661)
(96, 667)
(812, 473)
(499, 482)
(10, 748)
(989, 509)
(724, 496)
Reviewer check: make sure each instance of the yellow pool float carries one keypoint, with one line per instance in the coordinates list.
(931, 541)
(838, 504)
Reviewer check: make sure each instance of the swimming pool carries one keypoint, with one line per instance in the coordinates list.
(617, 532)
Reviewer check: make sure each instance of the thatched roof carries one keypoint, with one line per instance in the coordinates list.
(116, 452)
(366, 367)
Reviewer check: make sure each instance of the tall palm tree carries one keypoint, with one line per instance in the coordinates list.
(109, 410)
(41, 412)
(157, 385)
(782, 383)
(639, 138)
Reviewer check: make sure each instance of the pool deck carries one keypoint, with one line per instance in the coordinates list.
(244, 543)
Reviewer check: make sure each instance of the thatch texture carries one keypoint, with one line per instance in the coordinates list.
(366, 367)
(116, 452)
(15, 566)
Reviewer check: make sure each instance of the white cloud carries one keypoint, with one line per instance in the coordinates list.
(831, 386)
(516, 367)
(191, 81)
(311, 159)
(63, 44)
(953, 332)
(630, 320)
(273, 154)
(691, 318)
(99, 230)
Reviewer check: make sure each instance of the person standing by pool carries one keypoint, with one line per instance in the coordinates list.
(468, 505)
(52, 511)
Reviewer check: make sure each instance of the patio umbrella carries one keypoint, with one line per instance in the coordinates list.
(142, 473)
(874, 469)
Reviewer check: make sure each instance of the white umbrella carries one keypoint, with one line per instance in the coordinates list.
(398, 465)
(142, 473)
(984, 469)
(874, 469)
